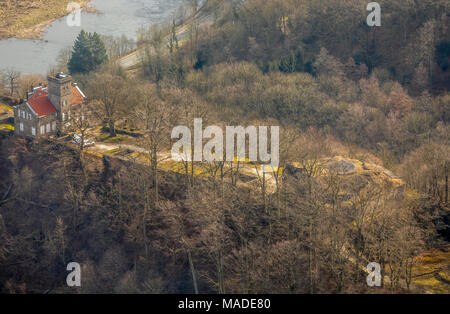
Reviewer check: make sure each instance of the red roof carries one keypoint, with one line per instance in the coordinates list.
(42, 105)
(77, 96)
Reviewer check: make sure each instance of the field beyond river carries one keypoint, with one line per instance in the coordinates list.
(27, 19)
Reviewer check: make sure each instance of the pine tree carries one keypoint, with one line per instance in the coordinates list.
(80, 54)
(98, 50)
(88, 54)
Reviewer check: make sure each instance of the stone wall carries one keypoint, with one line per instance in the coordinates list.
(59, 93)
(31, 121)
(28, 122)
(44, 121)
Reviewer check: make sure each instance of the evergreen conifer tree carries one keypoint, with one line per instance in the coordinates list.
(88, 53)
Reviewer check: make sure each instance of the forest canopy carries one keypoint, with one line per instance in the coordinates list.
(364, 157)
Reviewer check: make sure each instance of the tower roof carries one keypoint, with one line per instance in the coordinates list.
(60, 76)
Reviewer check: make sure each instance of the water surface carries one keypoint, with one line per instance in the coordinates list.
(116, 17)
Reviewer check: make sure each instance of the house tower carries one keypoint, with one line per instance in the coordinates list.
(59, 93)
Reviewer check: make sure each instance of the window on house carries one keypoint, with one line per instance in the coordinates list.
(23, 114)
(33, 131)
(64, 117)
(48, 127)
(21, 126)
(64, 102)
(42, 129)
(54, 125)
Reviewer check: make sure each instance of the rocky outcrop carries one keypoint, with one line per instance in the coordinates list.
(355, 175)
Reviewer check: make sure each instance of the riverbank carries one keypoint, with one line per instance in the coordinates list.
(27, 19)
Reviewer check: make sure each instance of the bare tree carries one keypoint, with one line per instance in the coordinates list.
(11, 77)
(189, 107)
(110, 95)
(154, 118)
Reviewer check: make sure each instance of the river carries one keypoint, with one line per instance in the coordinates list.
(115, 17)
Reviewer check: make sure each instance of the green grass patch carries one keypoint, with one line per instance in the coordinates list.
(111, 151)
(106, 138)
(115, 139)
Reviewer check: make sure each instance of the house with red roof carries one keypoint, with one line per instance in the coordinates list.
(46, 111)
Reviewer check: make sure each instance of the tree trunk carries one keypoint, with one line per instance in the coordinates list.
(155, 172)
(112, 128)
(191, 266)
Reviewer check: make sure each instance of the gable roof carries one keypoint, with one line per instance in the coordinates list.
(42, 106)
(77, 95)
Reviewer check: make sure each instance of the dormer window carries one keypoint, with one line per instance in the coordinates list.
(64, 102)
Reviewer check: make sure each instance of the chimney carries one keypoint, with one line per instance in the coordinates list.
(28, 93)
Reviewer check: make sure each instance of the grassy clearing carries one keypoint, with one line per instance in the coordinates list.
(111, 151)
(432, 270)
(106, 138)
(92, 153)
(27, 18)
(200, 169)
